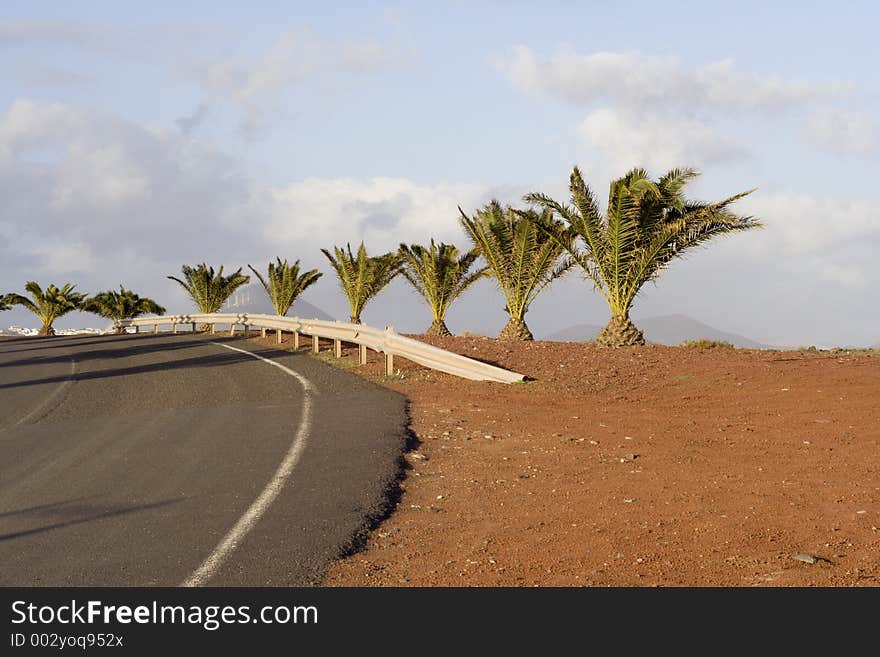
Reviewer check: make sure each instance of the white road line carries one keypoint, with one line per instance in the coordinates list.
(256, 510)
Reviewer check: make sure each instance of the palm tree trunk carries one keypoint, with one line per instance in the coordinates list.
(515, 329)
(620, 332)
(354, 320)
(46, 329)
(439, 328)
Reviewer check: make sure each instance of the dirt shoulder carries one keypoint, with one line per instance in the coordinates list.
(647, 466)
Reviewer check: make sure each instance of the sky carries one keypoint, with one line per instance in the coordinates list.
(135, 139)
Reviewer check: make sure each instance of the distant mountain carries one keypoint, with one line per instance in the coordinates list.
(252, 299)
(667, 329)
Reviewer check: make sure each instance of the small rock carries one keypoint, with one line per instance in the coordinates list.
(631, 457)
(806, 558)
(419, 456)
(629, 500)
(594, 442)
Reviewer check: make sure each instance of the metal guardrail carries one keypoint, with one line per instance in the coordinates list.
(385, 341)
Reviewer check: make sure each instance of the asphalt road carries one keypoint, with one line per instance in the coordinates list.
(126, 460)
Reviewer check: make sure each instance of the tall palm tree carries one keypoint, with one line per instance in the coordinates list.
(4, 303)
(362, 277)
(209, 290)
(440, 273)
(284, 283)
(646, 224)
(522, 258)
(48, 305)
(120, 305)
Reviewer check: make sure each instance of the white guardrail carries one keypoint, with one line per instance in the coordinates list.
(385, 341)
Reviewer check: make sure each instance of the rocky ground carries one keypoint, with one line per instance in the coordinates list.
(648, 466)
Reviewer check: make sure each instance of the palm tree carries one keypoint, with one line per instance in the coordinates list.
(4, 303)
(440, 274)
(207, 289)
(646, 225)
(362, 277)
(522, 258)
(284, 283)
(124, 304)
(48, 305)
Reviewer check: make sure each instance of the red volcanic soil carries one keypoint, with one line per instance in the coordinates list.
(649, 466)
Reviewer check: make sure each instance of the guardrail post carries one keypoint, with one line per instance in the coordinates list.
(262, 331)
(232, 329)
(246, 329)
(155, 328)
(278, 334)
(137, 328)
(362, 354)
(213, 328)
(174, 328)
(315, 342)
(194, 327)
(389, 364)
(337, 348)
(295, 339)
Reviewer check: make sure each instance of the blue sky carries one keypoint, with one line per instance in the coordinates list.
(133, 140)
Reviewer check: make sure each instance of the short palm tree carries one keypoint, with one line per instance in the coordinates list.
(210, 290)
(284, 283)
(647, 224)
(48, 305)
(521, 257)
(362, 277)
(124, 304)
(440, 273)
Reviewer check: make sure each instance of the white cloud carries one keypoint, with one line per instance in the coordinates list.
(381, 211)
(843, 132)
(61, 33)
(101, 201)
(100, 197)
(634, 80)
(656, 111)
(801, 224)
(294, 59)
(657, 143)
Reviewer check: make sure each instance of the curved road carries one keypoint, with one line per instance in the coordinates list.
(127, 461)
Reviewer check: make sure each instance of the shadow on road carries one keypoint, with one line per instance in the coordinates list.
(86, 514)
(135, 349)
(212, 360)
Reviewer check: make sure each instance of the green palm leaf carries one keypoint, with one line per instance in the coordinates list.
(645, 226)
(121, 305)
(520, 256)
(209, 290)
(48, 305)
(440, 273)
(284, 283)
(361, 276)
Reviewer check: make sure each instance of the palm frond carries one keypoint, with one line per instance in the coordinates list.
(522, 257)
(362, 277)
(208, 289)
(439, 273)
(122, 304)
(645, 226)
(284, 283)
